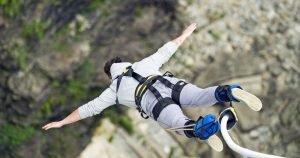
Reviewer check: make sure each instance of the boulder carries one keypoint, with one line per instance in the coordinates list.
(28, 84)
(58, 65)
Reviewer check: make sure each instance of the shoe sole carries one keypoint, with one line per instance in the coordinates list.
(251, 100)
(215, 143)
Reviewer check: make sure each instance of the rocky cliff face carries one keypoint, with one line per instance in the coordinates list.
(52, 54)
(255, 44)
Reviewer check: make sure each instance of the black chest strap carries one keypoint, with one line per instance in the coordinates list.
(119, 79)
(128, 72)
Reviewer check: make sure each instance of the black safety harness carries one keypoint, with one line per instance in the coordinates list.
(146, 83)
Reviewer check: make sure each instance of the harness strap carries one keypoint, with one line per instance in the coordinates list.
(161, 102)
(142, 88)
(135, 75)
(160, 105)
(177, 90)
(166, 82)
(119, 79)
(145, 83)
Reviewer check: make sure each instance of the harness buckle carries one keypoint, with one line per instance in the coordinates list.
(142, 112)
(144, 116)
(168, 73)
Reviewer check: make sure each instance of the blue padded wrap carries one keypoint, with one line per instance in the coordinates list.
(223, 93)
(218, 94)
(206, 127)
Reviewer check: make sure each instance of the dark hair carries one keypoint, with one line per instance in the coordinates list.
(109, 63)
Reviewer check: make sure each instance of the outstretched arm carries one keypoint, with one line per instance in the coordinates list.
(186, 33)
(163, 54)
(73, 117)
(106, 99)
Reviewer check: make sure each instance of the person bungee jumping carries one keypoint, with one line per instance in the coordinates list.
(160, 96)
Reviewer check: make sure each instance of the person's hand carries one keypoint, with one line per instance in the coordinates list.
(53, 125)
(189, 30)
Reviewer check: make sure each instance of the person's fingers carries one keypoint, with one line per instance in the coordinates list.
(193, 25)
(50, 126)
(45, 126)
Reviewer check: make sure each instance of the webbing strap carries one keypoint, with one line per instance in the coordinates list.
(160, 105)
(142, 88)
(127, 72)
(177, 90)
(146, 83)
(166, 82)
(141, 80)
(119, 79)
(155, 92)
(161, 102)
(135, 75)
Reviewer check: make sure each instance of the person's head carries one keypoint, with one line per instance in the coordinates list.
(109, 63)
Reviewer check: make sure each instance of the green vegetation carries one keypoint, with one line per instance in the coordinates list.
(215, 34)
(61, 47)
(55, 2)
(139, 11)
(13, 135)
(53, 100)
(111, 138)
(171, 153)
(119, 119)
(35, 30)
(76, 89)
(61, 43)
(10, 8)
(215, 15)
(85, 72)
(55, 84)
(46, 108)
(21, 56)
(96, 4)
(126, 123)
(103, 5)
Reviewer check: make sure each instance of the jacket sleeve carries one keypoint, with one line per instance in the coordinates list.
(161, 56)
(106, 99)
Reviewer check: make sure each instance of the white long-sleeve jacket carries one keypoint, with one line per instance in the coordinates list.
(147, 66)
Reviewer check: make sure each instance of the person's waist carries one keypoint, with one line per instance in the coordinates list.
(143, 87)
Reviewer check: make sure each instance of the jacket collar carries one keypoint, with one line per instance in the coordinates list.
(117, 69)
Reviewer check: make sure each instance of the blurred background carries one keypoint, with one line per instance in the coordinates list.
(52, 54)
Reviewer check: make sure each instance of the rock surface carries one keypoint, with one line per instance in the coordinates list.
(247, 42)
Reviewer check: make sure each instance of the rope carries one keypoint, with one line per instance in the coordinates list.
(243, 151)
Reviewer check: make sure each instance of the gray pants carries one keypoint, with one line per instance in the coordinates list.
(190, 96)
